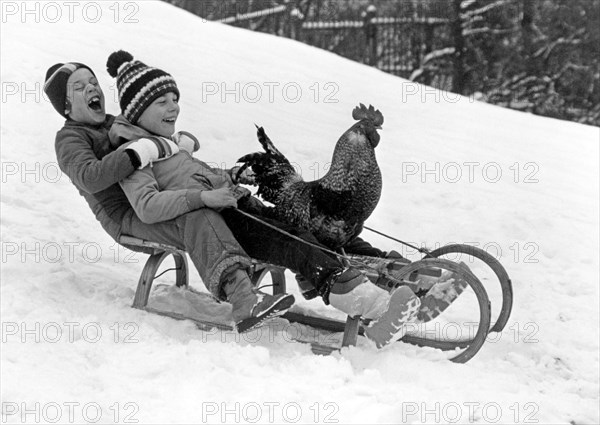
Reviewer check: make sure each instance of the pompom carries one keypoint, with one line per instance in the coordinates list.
(115, 60)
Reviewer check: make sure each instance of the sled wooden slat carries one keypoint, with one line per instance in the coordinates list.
(351, 331)
(352, 323)
(338, 326)
(208, 326)
(202, 325)
(130, 240)
(160, 252)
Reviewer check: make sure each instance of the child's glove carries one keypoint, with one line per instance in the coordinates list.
(186, 141)
(152, 149)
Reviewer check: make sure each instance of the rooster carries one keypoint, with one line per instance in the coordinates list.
(335, 206)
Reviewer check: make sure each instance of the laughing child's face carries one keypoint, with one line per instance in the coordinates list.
(85, 98)
(159, 118)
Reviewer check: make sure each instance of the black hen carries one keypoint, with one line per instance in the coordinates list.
(335, 206)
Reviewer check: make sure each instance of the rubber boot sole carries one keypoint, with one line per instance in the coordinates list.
(439, 298)
(276, 309)
(402, 309)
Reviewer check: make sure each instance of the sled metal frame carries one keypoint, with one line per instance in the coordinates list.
(352, 327)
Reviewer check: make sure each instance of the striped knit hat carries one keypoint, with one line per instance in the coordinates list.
(138, 84)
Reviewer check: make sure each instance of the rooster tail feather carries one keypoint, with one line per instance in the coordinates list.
(266, 143)
(361, 112)
(272, 171)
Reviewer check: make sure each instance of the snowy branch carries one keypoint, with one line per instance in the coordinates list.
(471, 13)
(436, 54)
(474, 31)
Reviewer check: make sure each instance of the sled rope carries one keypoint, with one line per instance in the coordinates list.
(421, 250)
(344, 258)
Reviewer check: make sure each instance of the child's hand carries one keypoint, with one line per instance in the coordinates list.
(240, 192)
(219, 198)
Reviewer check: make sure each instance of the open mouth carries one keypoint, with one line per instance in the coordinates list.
(169, 120)
(95, 104)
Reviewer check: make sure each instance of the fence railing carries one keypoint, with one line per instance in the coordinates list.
(394, 44)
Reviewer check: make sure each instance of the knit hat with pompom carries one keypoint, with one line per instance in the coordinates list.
(138, 84)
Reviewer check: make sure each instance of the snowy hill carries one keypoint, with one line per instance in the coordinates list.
(455, 170)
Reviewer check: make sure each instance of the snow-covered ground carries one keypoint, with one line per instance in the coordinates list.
(523, 187)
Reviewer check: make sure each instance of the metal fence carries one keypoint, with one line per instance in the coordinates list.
(394, 44)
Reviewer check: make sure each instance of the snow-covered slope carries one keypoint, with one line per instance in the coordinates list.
(455, 170)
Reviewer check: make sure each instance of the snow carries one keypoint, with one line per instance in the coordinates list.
(73, 351)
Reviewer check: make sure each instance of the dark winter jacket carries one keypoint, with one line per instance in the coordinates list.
(95, 167)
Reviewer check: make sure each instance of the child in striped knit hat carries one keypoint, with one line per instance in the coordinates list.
(226, 239)
(173, 186)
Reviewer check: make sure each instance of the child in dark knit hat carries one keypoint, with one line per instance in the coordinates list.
(82, 148)
(173, 186)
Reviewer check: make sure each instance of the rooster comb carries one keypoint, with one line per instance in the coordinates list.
(361, 112)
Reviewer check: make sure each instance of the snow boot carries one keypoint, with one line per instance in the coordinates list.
(249, 306)
(443, 291)
(403, 308)
(354, 294)
(436, 293)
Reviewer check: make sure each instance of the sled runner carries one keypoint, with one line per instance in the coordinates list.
(385, 272)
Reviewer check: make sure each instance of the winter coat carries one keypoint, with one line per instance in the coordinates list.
(95, 167)
(169, 187)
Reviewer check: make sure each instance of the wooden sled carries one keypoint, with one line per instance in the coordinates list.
(430, 265)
